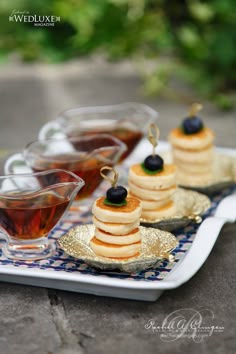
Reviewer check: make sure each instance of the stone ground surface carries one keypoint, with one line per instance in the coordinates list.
(45, 321)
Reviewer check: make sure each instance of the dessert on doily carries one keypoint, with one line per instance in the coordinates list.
(200, 166)
(116, 219)
(115, 240)
(154, 183)
(193, 150)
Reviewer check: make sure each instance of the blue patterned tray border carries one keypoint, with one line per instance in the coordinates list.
(61, 262)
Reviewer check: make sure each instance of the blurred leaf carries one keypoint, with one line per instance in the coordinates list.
(199, 34)
(201, 11)
(189, 36)
(224, 102)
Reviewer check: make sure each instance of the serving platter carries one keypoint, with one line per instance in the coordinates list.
(65, 272)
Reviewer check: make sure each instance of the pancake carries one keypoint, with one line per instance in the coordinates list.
(132, 237)
(115, 251)
(193, 168)
(193, 180)
(115, 228)
(126, 214)
(198, 156)
(160, 213)
(148, 194)
(196, 141)
(159, 180)
(153, 204)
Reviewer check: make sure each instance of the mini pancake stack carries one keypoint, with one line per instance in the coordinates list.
(116, 221)
(154, 191)
(153, 182)
(193, 151)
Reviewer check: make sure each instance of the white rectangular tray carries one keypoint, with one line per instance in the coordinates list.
(130, 288)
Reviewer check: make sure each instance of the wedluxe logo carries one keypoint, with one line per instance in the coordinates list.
(36, 20)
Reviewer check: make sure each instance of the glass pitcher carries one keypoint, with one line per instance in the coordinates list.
(83, 156)
(127, 122)
(30, 207)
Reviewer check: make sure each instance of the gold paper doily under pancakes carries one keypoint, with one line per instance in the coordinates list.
(224, 174)
(156, 246)
(190, 205)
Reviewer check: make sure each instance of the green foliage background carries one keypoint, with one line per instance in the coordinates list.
(195, 38)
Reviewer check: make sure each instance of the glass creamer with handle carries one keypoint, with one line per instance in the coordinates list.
(83, 155)
(30, 207)
(127, 122)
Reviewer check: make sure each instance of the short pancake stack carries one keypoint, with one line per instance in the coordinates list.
(193, 152)
(153, 182)
(155, 191)
(117, 232)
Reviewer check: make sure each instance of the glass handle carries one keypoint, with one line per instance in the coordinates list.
(50, 130)
(16, 164)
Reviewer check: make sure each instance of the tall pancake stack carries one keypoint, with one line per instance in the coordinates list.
(116, 219)
(155, 191)
(193, 150)
(153, 182)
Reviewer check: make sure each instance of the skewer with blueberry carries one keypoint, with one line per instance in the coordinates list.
(153, 163)
(115, 195)
(153, 182)
(193, 124)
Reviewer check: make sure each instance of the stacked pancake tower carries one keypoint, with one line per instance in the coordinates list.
(153, 182)
(116, 219)
(193, 150)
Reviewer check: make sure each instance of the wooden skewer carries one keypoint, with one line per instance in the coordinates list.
(194, 109)
(113, 180)
(153, 136)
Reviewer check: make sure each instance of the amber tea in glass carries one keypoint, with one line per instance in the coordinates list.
(126, 121)
(30, 207)
(84, 156)
(128, 135)
(31, 218)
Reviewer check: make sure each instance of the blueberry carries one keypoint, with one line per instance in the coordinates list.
(116, 194)
(192, 125)
(153, 163)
